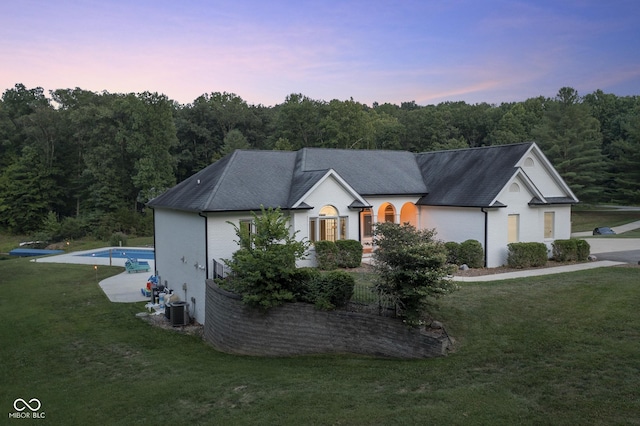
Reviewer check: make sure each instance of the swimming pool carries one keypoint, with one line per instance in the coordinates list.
(123, 253)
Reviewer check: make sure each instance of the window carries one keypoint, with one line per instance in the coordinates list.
(389, 214)
(513, 228)
(549, 224)
(247, 227)
(328, 226)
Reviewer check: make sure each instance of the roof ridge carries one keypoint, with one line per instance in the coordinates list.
(477, 147)
(221, 179)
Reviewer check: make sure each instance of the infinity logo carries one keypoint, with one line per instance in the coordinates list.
(26, 404)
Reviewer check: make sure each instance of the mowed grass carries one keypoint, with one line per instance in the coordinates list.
(587, 220)
(551, 350)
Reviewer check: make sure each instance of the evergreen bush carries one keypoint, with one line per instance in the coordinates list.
(526, 255)
(411, 269)
(349, 253)
(570, 250)
(264, 268)
(471, 253)
(583, 250)
(452, 252)
(326, 255)
(331, 290)
(118, 239)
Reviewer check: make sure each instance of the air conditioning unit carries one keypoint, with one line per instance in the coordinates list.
(178, 314)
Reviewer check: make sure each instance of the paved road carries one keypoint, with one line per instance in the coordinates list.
(630, 256)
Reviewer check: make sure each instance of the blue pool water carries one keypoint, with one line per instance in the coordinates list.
(123, 253)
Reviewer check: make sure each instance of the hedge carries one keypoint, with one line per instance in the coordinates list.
(469, 252)
(329, 290)
(525, 255)
(326, 255)
(570, 250)
(349, 253)
(340, 254)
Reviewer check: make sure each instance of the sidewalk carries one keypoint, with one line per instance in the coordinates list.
(539, 272)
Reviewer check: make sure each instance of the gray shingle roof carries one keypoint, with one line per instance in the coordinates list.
(245, 180)
(468, 177)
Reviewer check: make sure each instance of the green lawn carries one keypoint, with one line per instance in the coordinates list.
(551, 350)
(587, 220)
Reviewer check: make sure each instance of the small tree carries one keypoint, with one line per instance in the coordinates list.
(411, 267)
(264, 267)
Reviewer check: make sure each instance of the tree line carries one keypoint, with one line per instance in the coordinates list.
(77, 161)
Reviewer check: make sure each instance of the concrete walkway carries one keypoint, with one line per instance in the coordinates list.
(598, 245)
(539, 272)
(122, 288)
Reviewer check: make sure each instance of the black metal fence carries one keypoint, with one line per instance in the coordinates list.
(366, 299)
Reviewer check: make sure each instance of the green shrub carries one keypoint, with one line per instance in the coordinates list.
(326, 255)
(525, 255)
(73, 228)
(118, 239)
(50, 228)
(565, 250)
(264, 268)
(331, 290)
(301, 279)
(452, 252)
(411, 269)
(570, 250)
(349, 253)
(583, 250)
(471, 253)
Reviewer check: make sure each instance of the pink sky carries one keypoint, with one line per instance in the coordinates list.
(372, 51)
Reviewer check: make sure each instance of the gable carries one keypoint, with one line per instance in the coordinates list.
(327, 189)
(331, 191)
(468, 177)
(538, 168)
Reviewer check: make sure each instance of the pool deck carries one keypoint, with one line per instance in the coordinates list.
(122, 288)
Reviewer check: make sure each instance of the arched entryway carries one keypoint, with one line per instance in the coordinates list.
(409, 214)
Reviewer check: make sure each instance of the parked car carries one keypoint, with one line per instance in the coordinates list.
(604, 230)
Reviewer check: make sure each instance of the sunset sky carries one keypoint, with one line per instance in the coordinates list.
(372, 51)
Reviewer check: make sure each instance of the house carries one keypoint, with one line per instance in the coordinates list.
(496, 195)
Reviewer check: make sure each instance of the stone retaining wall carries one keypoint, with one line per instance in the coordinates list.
(299, 328)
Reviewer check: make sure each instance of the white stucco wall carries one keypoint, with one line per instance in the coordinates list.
(453, 223)
(531, 220)
(180, 256)
(222, 236)
(460, 224)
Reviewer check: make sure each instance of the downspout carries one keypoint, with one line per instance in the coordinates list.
(155, 247)
(206, 245)
(486, 234)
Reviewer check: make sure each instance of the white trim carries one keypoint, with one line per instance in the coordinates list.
(528, 183)
(551, 170)
(340, 181)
